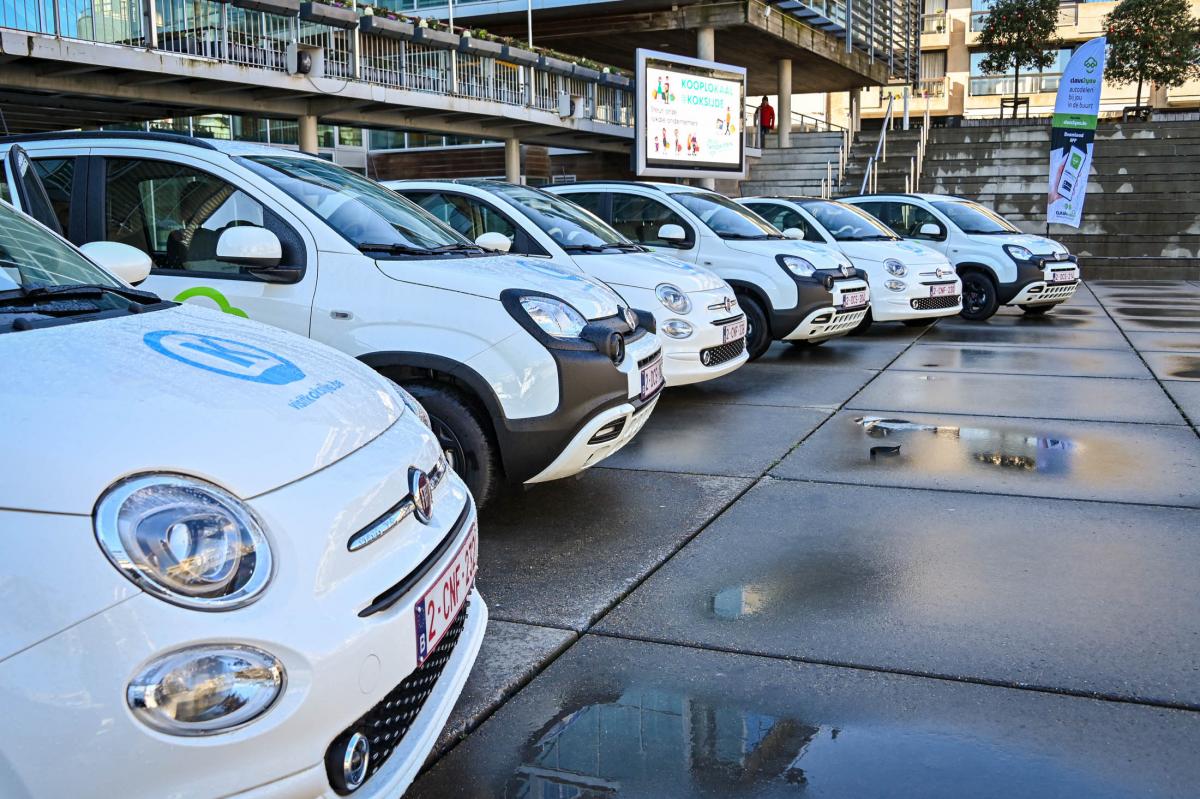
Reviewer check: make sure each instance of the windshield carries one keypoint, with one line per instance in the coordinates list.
(725, 217)
(369, 216)
(570, 226)
(847, 223)
(31, 256)
(974, 218)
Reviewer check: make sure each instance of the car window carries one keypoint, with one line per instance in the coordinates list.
(639, 219)
(725, 217)
(58, 175)
(453, 210)
(784, 217)
(591, 200)
(570, 225)
(904, 218)
(975, 219)
(176, 213)
(845, 222)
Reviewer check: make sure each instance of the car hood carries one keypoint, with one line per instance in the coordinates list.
(185, 390)
(647, 270)
(488, 277)
(906, 252)
(822, 256)
(1038, 245)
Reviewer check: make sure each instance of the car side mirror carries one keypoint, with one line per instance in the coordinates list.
(930, 230)
(257, 249)
(496, 242)
(128, 263)
(673, 234)
(794, 233)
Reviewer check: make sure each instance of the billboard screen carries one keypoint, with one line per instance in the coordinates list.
(689, 117)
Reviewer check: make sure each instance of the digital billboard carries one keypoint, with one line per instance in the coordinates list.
(689, 117)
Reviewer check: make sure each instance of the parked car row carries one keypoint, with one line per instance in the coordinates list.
(269, 543)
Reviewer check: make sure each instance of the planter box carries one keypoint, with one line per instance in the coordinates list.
(585, 73)
(391, 28)
(556, 66)
(515, 55)
(615, 80)
(484, 47)
(333, 16)
(285, 8)
(436, 38)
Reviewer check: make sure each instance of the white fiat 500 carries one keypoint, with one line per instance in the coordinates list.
(912, 284)
(234, 560)
(703, 331)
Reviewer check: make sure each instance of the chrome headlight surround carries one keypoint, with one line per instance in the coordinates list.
(673, 298)
(895, 285)
(895, 268)
(1018, 253)
(801, 267)
(676, 328)
(184, 541)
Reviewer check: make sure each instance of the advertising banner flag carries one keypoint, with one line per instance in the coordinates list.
(1073, 133)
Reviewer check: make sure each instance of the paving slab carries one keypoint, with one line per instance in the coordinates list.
(561, 553)
(1140, 463)
(784, 384)
(1129, 323)
(1054, 320)
(1165, 342)
(1039, 396)
(1015, 360)
(511, 655)
(716, 438)
(1071, 596)
(844, 352)
(1187, 394)
(1174, 365)
(1026, 336)
(625, 718)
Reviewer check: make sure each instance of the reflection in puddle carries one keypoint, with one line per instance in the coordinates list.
(1004, 449)
(737, 601)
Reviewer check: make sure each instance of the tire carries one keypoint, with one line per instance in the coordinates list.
(864, 325)
(926, 322)
(1037, 310)
(979, 296)
(463, 435)
(758, 331)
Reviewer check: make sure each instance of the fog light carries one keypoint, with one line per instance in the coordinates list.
(347, 762)
(895, 285)
(676, 328)
(609, 432)
(206, 689)
(706, 357)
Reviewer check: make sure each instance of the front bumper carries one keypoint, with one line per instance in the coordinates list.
(70, 688)
(915, 302)
(1036, 284)
(827, 317)
(705, 354)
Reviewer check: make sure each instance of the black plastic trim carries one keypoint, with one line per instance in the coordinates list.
(174, 138)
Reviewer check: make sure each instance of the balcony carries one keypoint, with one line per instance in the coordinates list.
(935, 30)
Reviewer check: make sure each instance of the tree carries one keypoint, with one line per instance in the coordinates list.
(1019, 34)
(1152, 41)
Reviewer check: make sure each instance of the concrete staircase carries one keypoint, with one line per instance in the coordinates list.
(1142, 216)
(795, 170)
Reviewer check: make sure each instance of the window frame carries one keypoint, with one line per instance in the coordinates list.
(690, 238)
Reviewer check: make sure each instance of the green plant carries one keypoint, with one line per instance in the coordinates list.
(1019, 34)
(1152, 41)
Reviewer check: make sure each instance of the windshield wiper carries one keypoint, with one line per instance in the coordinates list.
(40, 293)
(870, 238)
(394, 249)
(474, 248)
(590, 247)
(748, 237)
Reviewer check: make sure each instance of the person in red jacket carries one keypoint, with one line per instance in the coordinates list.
(766, 121)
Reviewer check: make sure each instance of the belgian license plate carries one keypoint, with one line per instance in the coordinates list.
(854, 299)
(734, 331)
(941, 291)
(445, 598)
(1063, 276)
(652, 377)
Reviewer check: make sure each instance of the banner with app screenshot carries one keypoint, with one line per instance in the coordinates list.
(1073, 133)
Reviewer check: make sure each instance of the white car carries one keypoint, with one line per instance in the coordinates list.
(235, 561)
(912, 284)
(703, 331)
(529, 372)
(998, 264)
(789, 290)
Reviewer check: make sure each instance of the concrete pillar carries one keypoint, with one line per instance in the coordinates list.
(512, 160)
(307, 124)
(706, 44)
(855, 110)
(783, 120)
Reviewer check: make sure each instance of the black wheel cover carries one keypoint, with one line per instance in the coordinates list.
(976, 293)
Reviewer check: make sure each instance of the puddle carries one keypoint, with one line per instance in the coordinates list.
(1009, 449)
(1182, 367)
(1163, 324)
(654, 742)
(1158, 311)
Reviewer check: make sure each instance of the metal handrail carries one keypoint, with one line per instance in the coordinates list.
(917, 165)
(871, 175)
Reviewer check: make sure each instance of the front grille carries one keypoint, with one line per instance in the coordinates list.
(649, 359)
(723, 353)
(939, 303)
(386, 724)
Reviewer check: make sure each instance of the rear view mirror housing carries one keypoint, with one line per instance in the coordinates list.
(259, 251)
(128, 263)
(496, 242)
(674, 235)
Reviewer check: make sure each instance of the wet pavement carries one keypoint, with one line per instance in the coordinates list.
(960, 561)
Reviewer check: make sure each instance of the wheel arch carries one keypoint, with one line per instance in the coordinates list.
(758, 295)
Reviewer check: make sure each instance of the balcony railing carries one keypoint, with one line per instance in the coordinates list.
(934, 23)
(1068, 16)
(1004, 84)
(933, 88)
(228, 33)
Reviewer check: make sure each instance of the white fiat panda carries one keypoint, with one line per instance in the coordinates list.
(998, 264)
(235, 561)
(912, 284)
(702, 329)
(528, 372)
(789, 290)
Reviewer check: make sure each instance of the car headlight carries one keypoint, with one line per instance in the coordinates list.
(184, 541)
(553, 316)
(675, 300)
(1018, 253)
(895, 285)
(413, 405)
(676, 328)
(205, 689)
(796, 265)
(895, 267)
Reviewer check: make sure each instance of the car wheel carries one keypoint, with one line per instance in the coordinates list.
(1037, 310)
(463, 437)
(926, 322)
(758, 332)
(864, 325)
(978, 297)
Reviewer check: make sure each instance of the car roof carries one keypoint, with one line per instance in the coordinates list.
(800, 199)
(666, 188)
(231, 148)
(929, 198)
